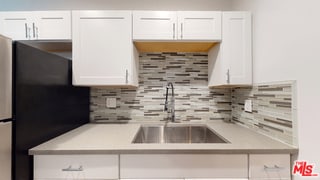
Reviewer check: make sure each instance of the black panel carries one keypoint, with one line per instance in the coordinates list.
(46, 104)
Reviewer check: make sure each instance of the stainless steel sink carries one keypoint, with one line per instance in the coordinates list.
(177, 134)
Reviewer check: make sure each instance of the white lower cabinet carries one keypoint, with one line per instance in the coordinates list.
(269, 166)
(219, 179)
(163, 167)
(178, 166)
(192, 179)
(76, 167)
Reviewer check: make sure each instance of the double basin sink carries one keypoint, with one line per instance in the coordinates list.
(189, 134)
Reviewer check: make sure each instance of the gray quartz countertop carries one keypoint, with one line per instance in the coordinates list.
(117, 138)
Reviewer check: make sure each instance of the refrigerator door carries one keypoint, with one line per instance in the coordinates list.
(5, 78)
(5, 150)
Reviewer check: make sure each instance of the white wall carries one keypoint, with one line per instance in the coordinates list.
(286, 47)
(114, 4)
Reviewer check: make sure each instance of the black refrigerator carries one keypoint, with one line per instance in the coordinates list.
(44, 102)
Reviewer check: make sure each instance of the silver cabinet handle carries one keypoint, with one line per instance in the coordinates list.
(37, 32)
(29, 33)
(228, 76)
(73, 169)
(127, 76)
(174, 29)
(26, 27)
(33, 30)
(275, 167)
(181, 30)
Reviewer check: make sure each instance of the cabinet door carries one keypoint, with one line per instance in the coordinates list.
(5, 78)
(236, 47)
(16, 25)
(102, 48)
(269, 166)
(154, 25)
(230, 62)
(5, 149)
(164, 166)
(220, 179)
(52, 25)
(197, 25)
(76, 166)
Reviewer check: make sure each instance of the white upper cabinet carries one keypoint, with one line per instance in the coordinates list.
(36, 25)
(170, 25)
(199, 25)
(154, 25)
(53, 25)
(16, 25)
(230, 62)
(103, 52)
(5, 78)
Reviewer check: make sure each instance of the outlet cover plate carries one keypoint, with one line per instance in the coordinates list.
(248, 105)
(111, 102)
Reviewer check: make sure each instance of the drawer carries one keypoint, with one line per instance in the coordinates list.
(168, 166)
(76, 167)
(220, 179)
(194, 179)
(271, 166)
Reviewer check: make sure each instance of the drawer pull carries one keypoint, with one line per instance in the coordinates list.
(275, 167)
(73, 169)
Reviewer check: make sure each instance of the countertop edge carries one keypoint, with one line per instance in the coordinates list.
(171, 151)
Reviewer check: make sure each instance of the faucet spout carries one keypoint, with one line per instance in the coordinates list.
(166, 105)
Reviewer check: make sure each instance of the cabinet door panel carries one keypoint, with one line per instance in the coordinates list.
(237, 46)
(183, 166)
(102, 47)
(76, 166)
(195, 25)
(217, 67)
(5, 78)
(16, 25)
(230, 62)
(220, 179)
(269, 166)
(154, 25)
(53, 25)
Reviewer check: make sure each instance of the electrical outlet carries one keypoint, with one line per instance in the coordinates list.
(111, 102)
(248, 105)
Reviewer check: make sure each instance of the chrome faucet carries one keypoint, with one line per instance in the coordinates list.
(166, 105)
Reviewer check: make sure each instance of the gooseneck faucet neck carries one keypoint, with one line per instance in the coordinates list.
(171, 110)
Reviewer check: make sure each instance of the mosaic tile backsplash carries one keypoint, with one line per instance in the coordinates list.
(194, 101)
(273, 103)
(274, 110)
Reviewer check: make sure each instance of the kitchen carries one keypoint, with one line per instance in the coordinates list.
(273, 32)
